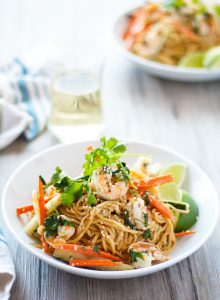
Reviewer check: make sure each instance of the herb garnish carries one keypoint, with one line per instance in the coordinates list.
(147, 234)
(52, 222)
(174, 4)
(96, 248)
(127, 221)
(108, 153)
(135, 254)
(146, 219)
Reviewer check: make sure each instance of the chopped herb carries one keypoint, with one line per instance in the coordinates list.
(127, 221)
(42, 180)
(96, 248)
(135, 254)
(147, 234)
(146, 219)
(91, 199)
(174, 4)
(146, 197)
(52, 222)
(73, 191)
(57, 175)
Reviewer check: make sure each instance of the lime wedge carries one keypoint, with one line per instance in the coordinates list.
(170, 191)
(212, 58)
(192, 60)
(178, 171)
(186, 221)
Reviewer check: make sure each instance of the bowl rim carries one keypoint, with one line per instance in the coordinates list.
(110, 274)
(147, 62)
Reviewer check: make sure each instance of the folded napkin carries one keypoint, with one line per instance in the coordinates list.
(7, 270)
(24, 101)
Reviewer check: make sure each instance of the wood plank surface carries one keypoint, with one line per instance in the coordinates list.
(181, 116)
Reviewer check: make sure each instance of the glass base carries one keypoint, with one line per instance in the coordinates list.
(76, 133)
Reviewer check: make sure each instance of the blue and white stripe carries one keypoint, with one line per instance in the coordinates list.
(29, 91)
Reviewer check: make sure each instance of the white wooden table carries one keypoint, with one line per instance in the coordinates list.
(182, 116)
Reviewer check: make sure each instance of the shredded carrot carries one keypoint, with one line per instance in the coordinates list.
(187, 32)
(183, 233)
(41, 202)
(28, 208)
(24, 209)
(92, 263)
(90, 148)
(137, 174)
(161, 207)
(146, 184)
(87, 251)
(42, 211)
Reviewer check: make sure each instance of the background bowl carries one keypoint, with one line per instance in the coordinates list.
(158, 69)
(70, 158)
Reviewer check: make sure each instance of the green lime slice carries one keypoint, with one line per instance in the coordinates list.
(212, 58)
(186, 221)
(178, 171)
(170, 191)
(192, 60)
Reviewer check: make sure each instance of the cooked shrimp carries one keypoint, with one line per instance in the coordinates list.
(137, 210)
(142, 164)
(146, 167)
(103, 184)
(145, 253)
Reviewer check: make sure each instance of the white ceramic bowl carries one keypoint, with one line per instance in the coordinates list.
(158, 69)
(70, 158)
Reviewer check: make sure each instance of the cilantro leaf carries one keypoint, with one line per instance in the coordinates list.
(52, 222)
(146, 219)
(147, 234)
(57, 175)
(109, 152)
(91, 199)
(174, 4)
(73, 191)
(135, 254)
(112, 142)
(127, 221)
(96, 248)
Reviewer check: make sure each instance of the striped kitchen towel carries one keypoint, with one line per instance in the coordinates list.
(7, 270)
(24, 101)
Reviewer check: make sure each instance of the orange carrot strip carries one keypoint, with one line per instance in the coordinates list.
(161, 208)
(89, 148)
(24, 209)
(153, 181)
(42, 211)
(87, 251)
(187, 32)
(183, 233)
(92, 263)
(41, 202)
(28, 208)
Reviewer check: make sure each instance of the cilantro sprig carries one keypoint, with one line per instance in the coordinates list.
(109, 152)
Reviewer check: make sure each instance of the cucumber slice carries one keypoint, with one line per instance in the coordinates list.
(186, 221)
